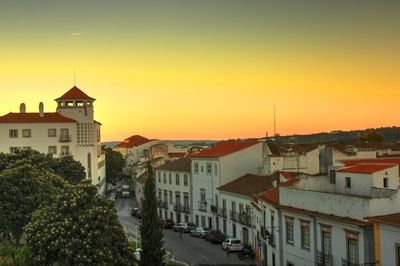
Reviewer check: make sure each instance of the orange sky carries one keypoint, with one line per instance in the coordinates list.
(207, 70)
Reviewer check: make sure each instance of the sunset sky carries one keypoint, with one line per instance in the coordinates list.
(207, 69)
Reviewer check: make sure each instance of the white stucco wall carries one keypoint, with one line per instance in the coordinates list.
(389, 238)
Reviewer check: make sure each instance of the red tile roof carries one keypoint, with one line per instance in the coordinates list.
(133, 141)
(366, 168)
(75, 94)
(177, 154)
(223, 149)
(391, 160)
(272, 195)
(390, 219)
(249, 184)
(35, 118)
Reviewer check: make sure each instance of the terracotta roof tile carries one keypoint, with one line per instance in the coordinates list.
(223, 149)
(249, 184)
(133, 141)
(35, 118)
(75, 94)
(366, 168)
(392, 160)
(390, 219)
(177, 154)
(272, 195)
(180, 165)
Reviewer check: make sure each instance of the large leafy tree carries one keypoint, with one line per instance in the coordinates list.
(114, 164)
(69, 169)
(150, 230)
(372, 136)
(22, 190)
(78, 228)
(26, 157)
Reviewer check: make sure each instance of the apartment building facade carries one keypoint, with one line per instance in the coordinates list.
(71, 130)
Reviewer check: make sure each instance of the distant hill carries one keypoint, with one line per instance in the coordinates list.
(391, 135)
(110, 144)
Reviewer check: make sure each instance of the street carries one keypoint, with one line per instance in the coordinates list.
(192, 250)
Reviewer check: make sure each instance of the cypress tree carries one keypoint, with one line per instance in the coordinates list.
(150, 230)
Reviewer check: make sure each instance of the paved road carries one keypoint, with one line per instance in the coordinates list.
(192, 250)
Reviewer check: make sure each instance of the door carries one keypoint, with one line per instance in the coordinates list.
(245, 236)
(210, 222)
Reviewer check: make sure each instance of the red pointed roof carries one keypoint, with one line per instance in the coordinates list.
(12, 118)
(75, 94)
(366, 168)
(223, 149)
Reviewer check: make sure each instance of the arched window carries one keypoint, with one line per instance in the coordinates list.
(89, 165)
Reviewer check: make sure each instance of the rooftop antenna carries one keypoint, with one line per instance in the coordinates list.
(274, 122)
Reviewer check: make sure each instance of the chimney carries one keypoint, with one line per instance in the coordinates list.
(41, 109)
(22, 108)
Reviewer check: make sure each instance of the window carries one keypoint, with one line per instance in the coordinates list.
(202, 169)
(196, 168)
(332, 176)
(159, 177)
(185, 180)
(203, 221)
(64, 134)
(13, 133)
(159, 194)
(305, 235)
(165, 198)
(209, 169)
(273, 259)
(202, 196)
(326, 240)
(53, 150)
(197, 219)
(234, 230)
(170, 178)
(385, 182)
(352, 248)
(170, 197)
(289, 230)
(165, 178)
(177, 199)
(215, 169)
(348, 182)
(52, 132)
(177, 179)
(14, 150)
(26, 133)
(65, 150)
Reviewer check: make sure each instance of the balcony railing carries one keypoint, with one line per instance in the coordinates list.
(163, 205)
(221, 212)
(203, 206)
(214, 209)
(245, 219)
(66, 153)
(324, 259)
(233, 215)
(181, 208)
(64, 138)
(271, 240)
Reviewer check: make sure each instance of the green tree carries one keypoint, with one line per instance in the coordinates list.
(22, 190)
(150, 230)
(26, 157)
(114, 164)
(78, 228)
(69, 169)
(372, 136)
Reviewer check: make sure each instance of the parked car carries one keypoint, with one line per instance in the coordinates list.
(125, 191)
(215, 236)
(190, 227)
(199, 232)
(134, 211)
(232, 244)
(180, 226)
(167, 224)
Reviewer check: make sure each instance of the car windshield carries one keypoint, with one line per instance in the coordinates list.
(235, 242)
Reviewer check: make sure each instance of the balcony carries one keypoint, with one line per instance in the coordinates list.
(214, 209)
(324, 259)
(264, 232)
(233, 216)
(163, 205)
(203, 206)
(271, 240)
(181, 208)
(245, 219)
(221, 212)
(64, 138)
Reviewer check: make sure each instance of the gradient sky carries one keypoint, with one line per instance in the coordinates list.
(207, 69)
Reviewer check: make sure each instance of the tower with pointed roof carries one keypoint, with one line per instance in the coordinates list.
(76, 104)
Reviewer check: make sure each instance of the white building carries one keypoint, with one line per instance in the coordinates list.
(387, 239)
(214, 167)
(174, 190)
(71, 130)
